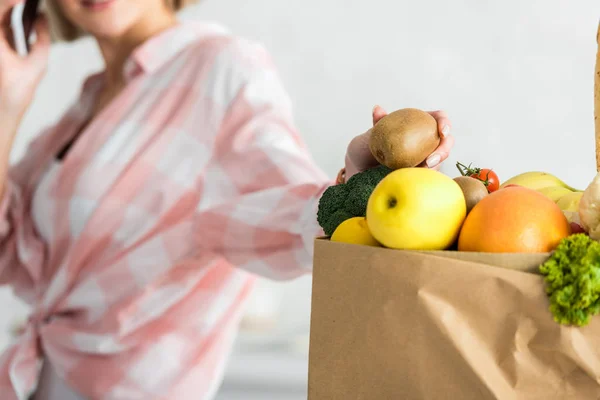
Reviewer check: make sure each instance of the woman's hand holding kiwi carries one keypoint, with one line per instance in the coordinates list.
(403, 138)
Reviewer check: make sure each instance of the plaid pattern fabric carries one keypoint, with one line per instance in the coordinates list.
(186, 186)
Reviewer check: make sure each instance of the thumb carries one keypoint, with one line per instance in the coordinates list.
(378, 113)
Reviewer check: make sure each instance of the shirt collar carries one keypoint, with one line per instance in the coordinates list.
(163, 47)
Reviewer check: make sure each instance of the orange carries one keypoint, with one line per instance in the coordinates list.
(513, 220)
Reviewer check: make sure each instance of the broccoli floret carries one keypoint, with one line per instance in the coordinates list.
(344, 201)
(572, 276)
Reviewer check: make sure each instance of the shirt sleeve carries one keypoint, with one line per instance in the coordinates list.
(263, 172)
(21, 250)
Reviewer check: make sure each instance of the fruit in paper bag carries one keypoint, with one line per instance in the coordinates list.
(355, 231)
(514, 220)
(574, 222)
(570, 201)
(536, 180)
(589, 208)
(346, 200)
(485, 175)
(416, 208)
(473, 189)
(404, 138)
(576, 228)
(554, 193)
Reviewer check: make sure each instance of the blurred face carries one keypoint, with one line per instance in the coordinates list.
(114, 18)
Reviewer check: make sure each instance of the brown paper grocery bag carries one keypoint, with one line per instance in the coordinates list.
(389, 324)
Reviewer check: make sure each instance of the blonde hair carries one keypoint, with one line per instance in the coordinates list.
(62, 29)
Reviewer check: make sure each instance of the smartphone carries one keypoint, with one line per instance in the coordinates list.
(30, 12)
(23, 17)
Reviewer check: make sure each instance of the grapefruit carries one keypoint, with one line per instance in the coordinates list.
(514, 220)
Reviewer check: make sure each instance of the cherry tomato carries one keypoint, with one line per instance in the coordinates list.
(486, 175)
(489, 178)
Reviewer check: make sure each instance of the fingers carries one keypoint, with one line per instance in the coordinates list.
(41, 47)
(358, 155)
(443, 122)
(441, 153)
(6, 6)
(378, 113)
(6, 35)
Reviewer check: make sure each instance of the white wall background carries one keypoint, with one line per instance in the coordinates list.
(516, 77)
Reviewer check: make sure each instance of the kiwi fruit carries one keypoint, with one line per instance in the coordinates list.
(473, 189)
(404, 138)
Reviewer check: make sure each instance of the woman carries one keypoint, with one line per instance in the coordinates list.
(134, 225)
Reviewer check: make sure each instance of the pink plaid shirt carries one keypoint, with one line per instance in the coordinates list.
(188, 184)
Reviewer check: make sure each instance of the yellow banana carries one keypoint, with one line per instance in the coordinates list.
(570, 202)
(536, 180)
(554, 192)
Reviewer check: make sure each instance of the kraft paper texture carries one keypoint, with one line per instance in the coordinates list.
(389, 324)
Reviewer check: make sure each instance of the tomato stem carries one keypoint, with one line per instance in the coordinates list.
(473, 172)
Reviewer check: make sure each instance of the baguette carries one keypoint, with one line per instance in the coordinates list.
(597, 101)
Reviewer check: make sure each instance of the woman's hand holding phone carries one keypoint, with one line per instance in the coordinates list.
(20, 74)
